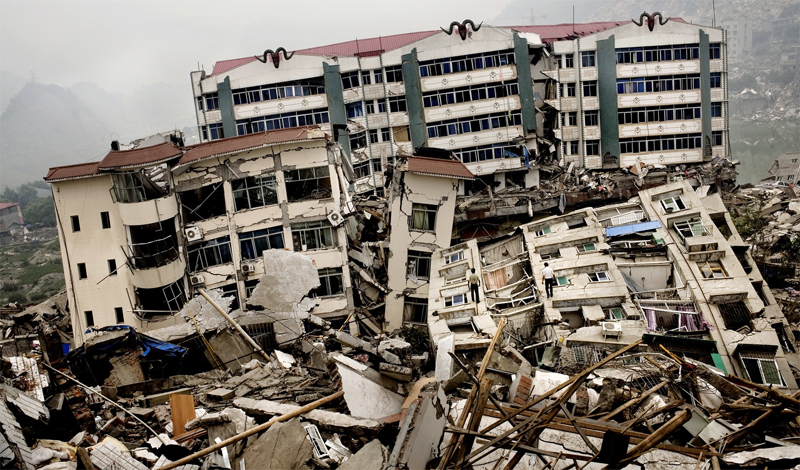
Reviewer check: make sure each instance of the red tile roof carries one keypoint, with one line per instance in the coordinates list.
(246, 142)
(439, 167)
(140, 156)
(224, 65)
(557, 32)
(81, 170)
(6, 205)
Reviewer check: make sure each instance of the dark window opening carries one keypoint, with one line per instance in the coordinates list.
(210, 253)
(735, 315)
(152, 245)
(76, 223)
(419, 264)
(231, 291)
(112, 267)
(160, 301)
(415, 310)
(203, 203)
(331, 283)
(105, 220)
(82, 271)
(119, 315)
(134, 186)
(89, 318)
(312, 183)
(255, 191)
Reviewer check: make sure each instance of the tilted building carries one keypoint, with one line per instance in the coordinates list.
(144, 226)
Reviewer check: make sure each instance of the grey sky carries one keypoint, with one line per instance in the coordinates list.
(123, 44)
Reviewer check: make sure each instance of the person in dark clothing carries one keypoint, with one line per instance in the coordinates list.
(474, 282)
(549, 279)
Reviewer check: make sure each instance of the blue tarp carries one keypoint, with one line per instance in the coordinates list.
(633, 228)
(148, 343)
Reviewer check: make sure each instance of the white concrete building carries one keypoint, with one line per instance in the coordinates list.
(143, 227)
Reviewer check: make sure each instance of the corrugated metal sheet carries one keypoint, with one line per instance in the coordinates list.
(439, 167)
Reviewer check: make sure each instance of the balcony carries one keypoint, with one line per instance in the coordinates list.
(661, 128)
(472, 108)
(671, 157)
(696, 237)
(632, 100)
(474, 77)
(149, 212)
(471, 139)
(588, 73)
(650, 69)
(284, 105)
(155, 263)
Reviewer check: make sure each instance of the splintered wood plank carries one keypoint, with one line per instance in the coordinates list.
(182, 408)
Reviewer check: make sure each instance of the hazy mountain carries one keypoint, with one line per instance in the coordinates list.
(10, 85)
(45, 126)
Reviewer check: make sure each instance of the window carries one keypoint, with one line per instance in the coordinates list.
(210, 253)
(716, 138)
(378, 76)
(423, 217)
(716, 79)
(331, 282)
(82, 271)
(542, 231)
(587, 58)
(354, 109)
(562, 280)
(397, 104)
(254, 191)
(199, 103)
(250, 286)
(794, 160)
(308, 183)
(76, 223)
(313, 236)
(358, 140)
(373, 136)
(282, 121)
(254, 243)
(350, 80)
(590, 88)
(712, 270)
(716, 109)
(587, 247)
(615, 313)
(671, 204)
(690, 228)
(119, 315)
(386, 135)
(715, 51)
(204, 202)
(370, 107)
(458, 299)
(591, 118)
(569, 89)
(573, 147)
(415, 310)
(89, 318)
(361, 169)
(572, 118)
(365, 78)
(761, 367)
(105, 220)
(419, 264)
(592, 147)
(394, 74)
(215, 131)
(569, 61)
(735, 315)
(112, 267)
(212, 101)
(453, 257)
(600, 276)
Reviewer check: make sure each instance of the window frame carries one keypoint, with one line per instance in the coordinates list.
(421, 266)
(316, 229)
(200, 254)
(82, 272)
(105, 220)
(451, 301)
(251, 188)
(454, 257)
(423, 215)
(76, 223)
(599, 276)
(584, 248)
(716, 270)
(542, 231)
(675, 204)
(411, 310)
(112, 267)
(325, 289)
(299, 177)
(259, 241)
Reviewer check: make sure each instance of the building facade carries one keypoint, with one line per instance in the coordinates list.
(145, 226)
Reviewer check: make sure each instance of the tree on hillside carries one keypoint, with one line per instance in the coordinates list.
(41, 210)
(24, 195)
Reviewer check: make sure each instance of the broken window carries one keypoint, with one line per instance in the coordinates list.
(735, 315)
(415, 310)
(231, 291)
(783, 338)
(761, 367)
(712, 270)
(89, 318)
(331, 283)
(453, 257)
(120, 316)
(358, 140)
(254, 243)
(255, 191)
(361, 169)
(250, 286)
(203, 203)
(152, 245)
(586, 247)
(423, 217)
(400, 134)
(76, 223)
(552, 255)
(419, 264)
(542, 231)
(350, 80)
(691, 228)
(210, 253)
(615, 313)
(308, 183)
(112, 267)
(600, 276)
(313, 235)
(672, 204)
(105, 220)
(134, 186)
(160, 301)
(82, 271)
(453, 300)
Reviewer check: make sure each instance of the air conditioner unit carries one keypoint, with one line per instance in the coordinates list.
(612, 329)
(193, 233)
(335, 218)
(197, 279)
(248, 268)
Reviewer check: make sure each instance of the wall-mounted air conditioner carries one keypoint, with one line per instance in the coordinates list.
(248, 268)
(197, 279)
(193, 233)
(335, 218)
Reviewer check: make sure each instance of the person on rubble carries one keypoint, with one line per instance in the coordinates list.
(548, 278)
(474, 282)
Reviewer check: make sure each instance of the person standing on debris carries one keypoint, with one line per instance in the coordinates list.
(474, 282)
(549, 279)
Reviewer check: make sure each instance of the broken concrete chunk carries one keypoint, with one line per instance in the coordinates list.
(403, 374)
(289, 277)
(327, 420)
(355, 343)
(220, 394)
(391, 358)
(367, 393)
(372, 456)
(283, 447)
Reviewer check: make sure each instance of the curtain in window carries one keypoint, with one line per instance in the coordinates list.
(495, 279)
(420, 220)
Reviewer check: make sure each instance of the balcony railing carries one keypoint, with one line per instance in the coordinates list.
(152, 254)
(134, 187)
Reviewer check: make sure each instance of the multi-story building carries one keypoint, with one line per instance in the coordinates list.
(145, 225)
(10, 214)
(740, 37)
(785, 168)
(500, 98)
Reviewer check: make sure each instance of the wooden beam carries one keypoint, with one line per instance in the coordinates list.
(634, 402)
(654, 439)
(474, 420)
(579, 429)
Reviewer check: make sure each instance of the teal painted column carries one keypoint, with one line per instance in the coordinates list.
(416, 117)
(705, 88)
(607, 96)
(226, 107)
(525, 83)
(336, 110)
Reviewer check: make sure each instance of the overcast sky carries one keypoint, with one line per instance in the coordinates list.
(123, 44)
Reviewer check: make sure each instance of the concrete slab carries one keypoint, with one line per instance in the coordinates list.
(371, 457)
(283, 447)
(289, 278)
